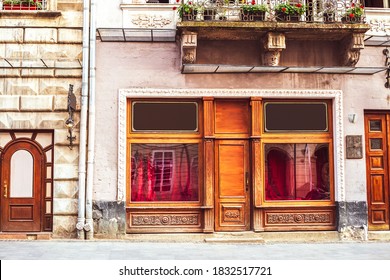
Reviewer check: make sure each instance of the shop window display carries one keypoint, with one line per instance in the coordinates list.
(164, 172)
(297, 172)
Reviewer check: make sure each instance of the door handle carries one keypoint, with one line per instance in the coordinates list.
(5, 189)
(247, 181)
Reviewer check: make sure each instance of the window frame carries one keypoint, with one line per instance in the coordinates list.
(170, 137)
(298, 137)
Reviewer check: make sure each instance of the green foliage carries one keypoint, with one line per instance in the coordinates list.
(291, 9)
(254, 8)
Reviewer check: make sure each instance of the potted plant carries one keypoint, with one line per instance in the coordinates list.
(253, 12)
(289, 11)
(353, 14)
(329, 11)
(22, 5)
(187, 10)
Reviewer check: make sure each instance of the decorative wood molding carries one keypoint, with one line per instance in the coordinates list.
(173, 220)
(298, 218)
(336, 95)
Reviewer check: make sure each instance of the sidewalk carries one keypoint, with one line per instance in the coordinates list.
(130, 250)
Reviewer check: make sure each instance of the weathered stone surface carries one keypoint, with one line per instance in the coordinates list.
(4, 72)
(64, 226)
(40, 35)
(68, 73)
(21, 51)
(11, 35)
(21, 86)
(70, 35)
(36, 103)
(52, 120)
(64, 155)
(9, 102)
(352, 219)
(65, 189)
(109, 218)
(63, 51)
(64, 206)
(60, 103)
(65, 171)
(31, 72)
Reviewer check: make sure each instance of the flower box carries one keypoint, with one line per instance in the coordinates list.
(252, 16)
(19, 7)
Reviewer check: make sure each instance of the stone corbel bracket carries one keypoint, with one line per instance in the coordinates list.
(274, 43)
(352, 46)
(189, 42)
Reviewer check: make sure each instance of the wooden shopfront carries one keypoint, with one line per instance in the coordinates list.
(229, 164)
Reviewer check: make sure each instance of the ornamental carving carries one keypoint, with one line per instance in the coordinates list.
(352, 47)
(151, 21)
(164, 220)
(232, 215)
(304, 218)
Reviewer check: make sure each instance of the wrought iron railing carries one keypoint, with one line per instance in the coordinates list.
(324, 11)
(23, 5)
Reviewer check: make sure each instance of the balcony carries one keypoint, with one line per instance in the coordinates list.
(274, 11)
(23, 5)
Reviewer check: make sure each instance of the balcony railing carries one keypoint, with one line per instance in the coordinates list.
(322, 11)
(23, 5)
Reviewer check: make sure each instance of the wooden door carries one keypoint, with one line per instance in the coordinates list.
(377, 129)
(21, 187)
(232, 210)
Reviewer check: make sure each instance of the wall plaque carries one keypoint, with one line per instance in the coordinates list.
(354, 147)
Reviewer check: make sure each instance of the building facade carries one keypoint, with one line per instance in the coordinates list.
(41, 55)
(221, 120)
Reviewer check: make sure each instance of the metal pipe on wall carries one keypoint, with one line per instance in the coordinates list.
(91, 123)
(83, 123)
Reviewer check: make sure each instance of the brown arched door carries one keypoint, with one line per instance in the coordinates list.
(22, 165)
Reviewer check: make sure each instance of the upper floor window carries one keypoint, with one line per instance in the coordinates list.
(377, 3)
(23, 5)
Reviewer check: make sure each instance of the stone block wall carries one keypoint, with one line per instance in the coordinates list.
(40, 55)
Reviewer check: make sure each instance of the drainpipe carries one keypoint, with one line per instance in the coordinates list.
(83, 123)
(91, 123)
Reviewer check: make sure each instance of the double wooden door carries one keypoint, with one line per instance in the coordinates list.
(377, 131)
(21, 187)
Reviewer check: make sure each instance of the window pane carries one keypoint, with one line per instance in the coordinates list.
(297, 172)
(164, 172)
(295, 116)
(375, 125)
(22, 166)
(165, 116)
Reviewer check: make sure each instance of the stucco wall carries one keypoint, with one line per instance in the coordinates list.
(157, 65)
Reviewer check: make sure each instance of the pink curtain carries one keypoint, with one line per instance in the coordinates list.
(276, 187)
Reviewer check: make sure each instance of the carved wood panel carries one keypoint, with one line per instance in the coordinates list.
(376, 133)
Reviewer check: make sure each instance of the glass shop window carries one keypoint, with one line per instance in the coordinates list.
(297, 171)
(164, 172)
